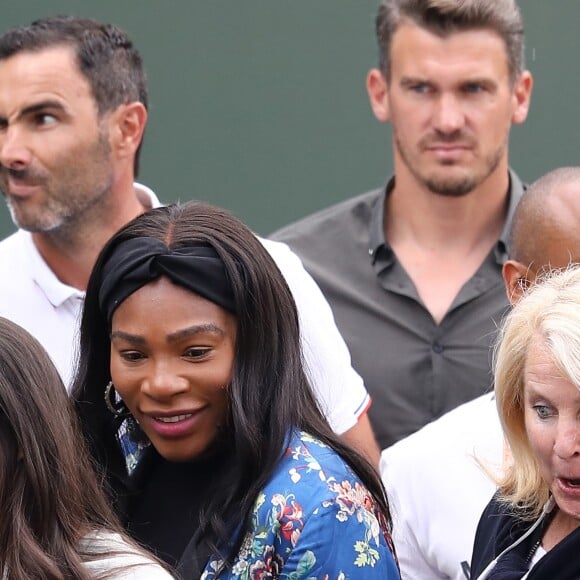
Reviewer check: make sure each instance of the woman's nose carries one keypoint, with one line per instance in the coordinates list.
(567, 443)
(163, 382)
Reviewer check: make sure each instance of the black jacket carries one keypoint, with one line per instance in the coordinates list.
(500, 526)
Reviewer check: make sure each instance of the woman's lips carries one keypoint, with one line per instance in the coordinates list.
(174, 424)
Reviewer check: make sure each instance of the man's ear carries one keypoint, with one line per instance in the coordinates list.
(516, 280)
(378, 91)
(127, 125)
(522, 95)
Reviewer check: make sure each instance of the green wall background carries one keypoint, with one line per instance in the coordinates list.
(260, 107)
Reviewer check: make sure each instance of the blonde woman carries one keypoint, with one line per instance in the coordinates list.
(530, 529)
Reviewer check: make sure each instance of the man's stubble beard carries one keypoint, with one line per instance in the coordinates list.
(444, 186)
(72, 198)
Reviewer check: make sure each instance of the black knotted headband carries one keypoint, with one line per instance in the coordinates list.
(138, 261)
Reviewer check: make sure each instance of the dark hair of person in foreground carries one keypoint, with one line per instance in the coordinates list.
(52, 506)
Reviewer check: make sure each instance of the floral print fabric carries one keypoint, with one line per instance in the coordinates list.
(314, 519)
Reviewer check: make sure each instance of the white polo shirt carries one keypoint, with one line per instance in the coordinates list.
(338, 387)
(437, 488)
(33, 297)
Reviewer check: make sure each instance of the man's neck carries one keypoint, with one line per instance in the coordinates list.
(442, 241)
(413, 214)
(71, 251)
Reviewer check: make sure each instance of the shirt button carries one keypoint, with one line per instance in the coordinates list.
(438, 348)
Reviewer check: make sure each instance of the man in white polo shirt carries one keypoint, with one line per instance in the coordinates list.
(73, 109)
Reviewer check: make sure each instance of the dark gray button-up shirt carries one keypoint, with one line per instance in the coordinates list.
(414, 369)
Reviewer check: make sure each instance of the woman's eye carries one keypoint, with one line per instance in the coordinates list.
(543, 411)
(197, 352)
(132, 355)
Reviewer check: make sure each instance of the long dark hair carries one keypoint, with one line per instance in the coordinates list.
(269, 393)
(49, 496)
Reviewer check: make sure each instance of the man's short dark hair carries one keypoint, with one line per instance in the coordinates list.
(444, 17)
(104, 54)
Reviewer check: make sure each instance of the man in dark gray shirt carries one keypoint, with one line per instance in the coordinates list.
(413, 270)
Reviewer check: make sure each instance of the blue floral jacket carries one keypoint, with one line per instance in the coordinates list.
(314, 519)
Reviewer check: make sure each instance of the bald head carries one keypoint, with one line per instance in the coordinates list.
(546, 225)
(545, 232)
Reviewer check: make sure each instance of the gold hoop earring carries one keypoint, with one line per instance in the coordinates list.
(114, 402)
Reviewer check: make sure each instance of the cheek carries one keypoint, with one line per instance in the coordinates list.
(408, 119)
(495, 123)
(221, 403)
(114, 368)
(125, 388)
(539, 437)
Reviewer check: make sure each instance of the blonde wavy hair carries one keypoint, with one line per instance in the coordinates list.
(550, 310)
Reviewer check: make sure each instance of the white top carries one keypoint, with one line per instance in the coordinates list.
(339, 389)
(132, 563)
(33, 297)
(538, 555)
(437, 489)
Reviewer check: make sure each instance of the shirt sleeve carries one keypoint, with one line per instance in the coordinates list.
(339, 389)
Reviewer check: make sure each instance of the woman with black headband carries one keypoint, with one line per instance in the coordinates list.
(194, 400)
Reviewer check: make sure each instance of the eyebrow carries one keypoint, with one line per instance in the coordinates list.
(530, 391)
(415, 80)
(407, 81)
(174, 336)
(41, 106)
(196, 329)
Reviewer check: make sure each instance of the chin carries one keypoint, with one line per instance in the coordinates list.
(176, 456)
(568, 506)
(451, 188)
(176, 452)
(36, 225)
